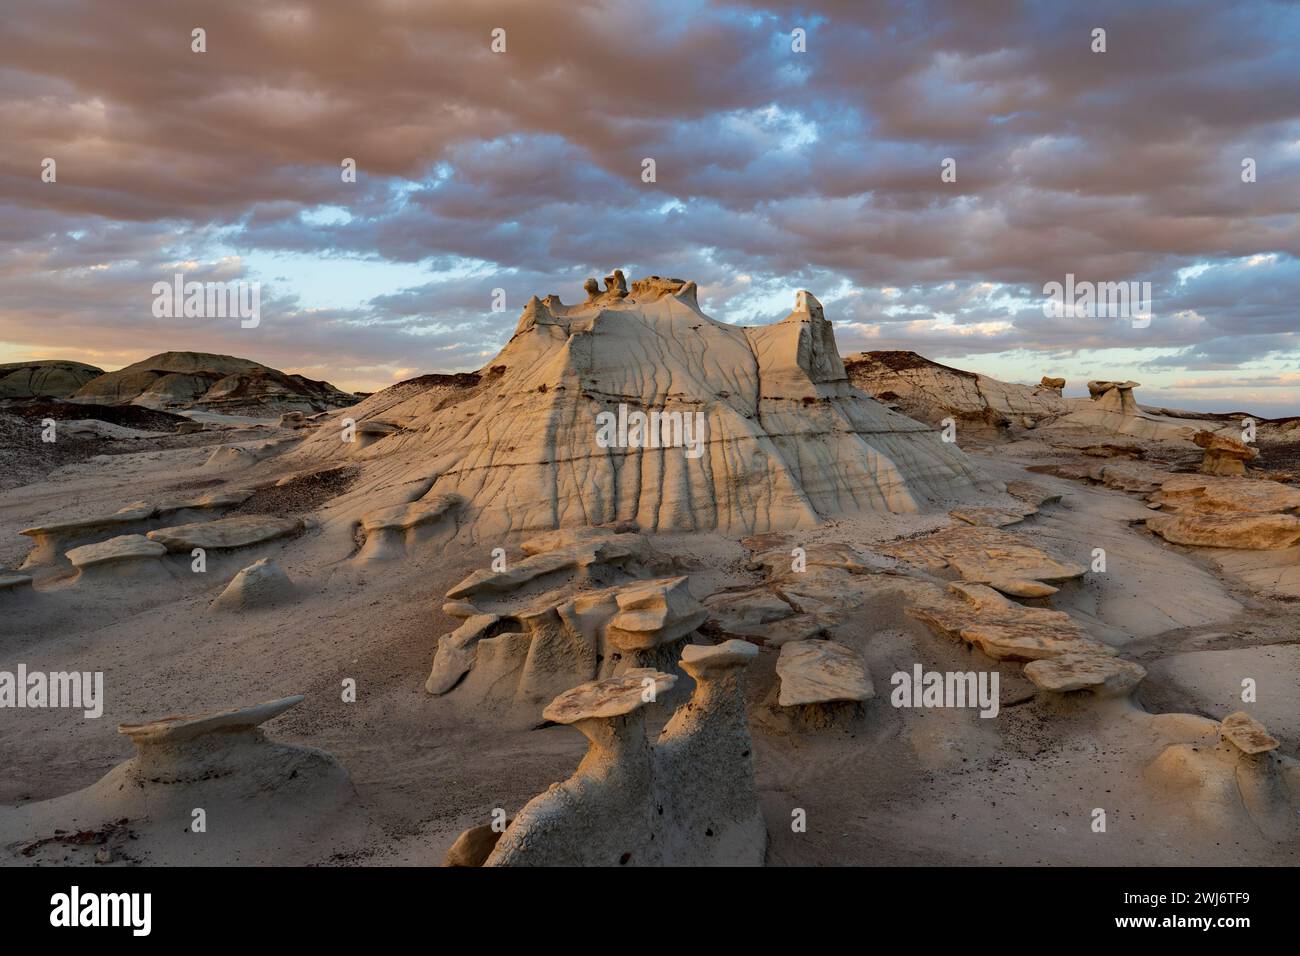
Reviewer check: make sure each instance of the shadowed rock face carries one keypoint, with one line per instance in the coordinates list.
(757, 428)
(689, 800)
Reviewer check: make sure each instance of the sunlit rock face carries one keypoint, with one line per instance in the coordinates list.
(931, 392)
(636, 406)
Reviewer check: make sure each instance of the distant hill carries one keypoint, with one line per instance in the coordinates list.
(44, 378)
(213, 383)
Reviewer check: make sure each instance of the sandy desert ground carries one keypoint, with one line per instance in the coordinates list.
(464, 551)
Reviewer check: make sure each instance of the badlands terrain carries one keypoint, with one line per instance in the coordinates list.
(646, 589)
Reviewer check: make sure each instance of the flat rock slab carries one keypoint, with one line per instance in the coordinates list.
(818, 672)
(124, 547)
(213, 500)
(1132, 476)
(401, 517)
(800, 627)
(1085, 671)
(1208, 494)
(753, 607)
(988, 556)
(581, 554)
(990, 517)
(706, 657)
(1021, 587)
(654, 613)
(780, 563)
(611, 697)
(239, 531)
(14, 580)
(1003, 629)
(1249, 532)
(1247, 734)
(128, 515)
(189, 726)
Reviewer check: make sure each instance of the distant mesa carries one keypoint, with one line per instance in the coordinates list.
(213, 383)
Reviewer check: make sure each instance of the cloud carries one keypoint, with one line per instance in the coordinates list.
(775, 170)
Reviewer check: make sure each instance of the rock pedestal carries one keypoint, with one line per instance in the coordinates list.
(689, 800)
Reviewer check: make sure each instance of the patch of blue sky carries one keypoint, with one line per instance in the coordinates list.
(348, 282)
(326, 215)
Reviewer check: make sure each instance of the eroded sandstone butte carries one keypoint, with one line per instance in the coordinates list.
(787, 439)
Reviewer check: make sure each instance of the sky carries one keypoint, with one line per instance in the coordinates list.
(783, 160)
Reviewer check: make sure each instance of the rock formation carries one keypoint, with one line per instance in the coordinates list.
(1227, 775)
(126, 555)
(1224, 455)
(239, 531)
(1114, 410)
(689, 800)
(1052, 386)
(254, 793)
(986, 555)
(1219, 512)
(1115, 397)
(394, 532)
(262, 584)
(651, 616)
(561, 617)
(228, 457)
(51, 541)
(1253, 532)
(821, 672)
(214, 383)
(738, 429)
(1059, 654)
